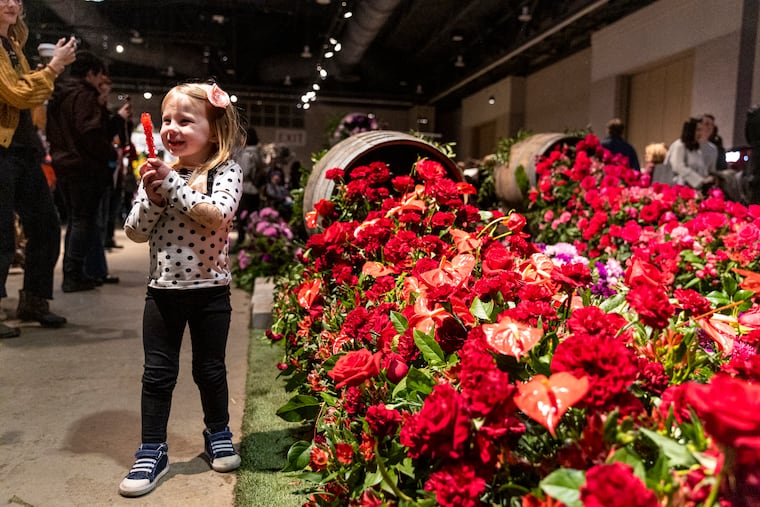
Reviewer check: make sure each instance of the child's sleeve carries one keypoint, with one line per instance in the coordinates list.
(213, 210)
(142, 218)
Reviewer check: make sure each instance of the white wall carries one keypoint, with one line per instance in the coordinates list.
(557, 97)
(709, 28)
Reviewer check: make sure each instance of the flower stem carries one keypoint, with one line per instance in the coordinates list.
(387, 478)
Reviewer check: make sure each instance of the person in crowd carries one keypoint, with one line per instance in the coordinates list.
(277, 195)
(121, 125)
(81, 149)
(750, 177)
(252, 164)
(186, 212)
(709, 134)
(617, 145)
(23, 187)
(693, 163)
(654, 157)
(96, 264)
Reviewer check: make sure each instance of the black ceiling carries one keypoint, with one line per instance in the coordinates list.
(392, 50)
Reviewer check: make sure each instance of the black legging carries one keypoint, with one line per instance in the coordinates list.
(207, 313)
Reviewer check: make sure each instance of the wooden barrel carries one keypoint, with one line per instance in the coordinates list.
(397, 149)
(525, 154)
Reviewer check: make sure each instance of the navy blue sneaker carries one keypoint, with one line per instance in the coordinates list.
(220, 452)
(151, 463)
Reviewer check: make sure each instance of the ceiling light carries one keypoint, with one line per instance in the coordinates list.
(135, 37)
(233, 98)
(525, 14)
(306, 53)
(459, 62)
(333, 41)
(287, 81)
(147, 95)
(323, 73)
(457, 36)
(315, 86)
(338, 47)
(348, 14)
(306, 106)
(329, 54)
(492, 100)
(119, 48)
(323, 2)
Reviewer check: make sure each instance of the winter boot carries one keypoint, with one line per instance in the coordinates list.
(8, 331)
(31, 307)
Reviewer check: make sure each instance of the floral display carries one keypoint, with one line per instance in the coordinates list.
(448, 355)
(268, 247)
(352, 124)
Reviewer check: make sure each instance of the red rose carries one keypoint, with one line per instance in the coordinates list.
(335, 173)
(728, 407)
(355, 367)
(395, 367)
(383, 421)
(605, 483)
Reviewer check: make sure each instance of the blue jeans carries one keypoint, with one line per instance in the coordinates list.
(207, 313)
(24, 190)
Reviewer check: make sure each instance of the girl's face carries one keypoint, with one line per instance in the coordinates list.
(185, 130)
(9, 13)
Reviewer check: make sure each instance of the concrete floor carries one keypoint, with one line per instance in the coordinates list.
(70, 399)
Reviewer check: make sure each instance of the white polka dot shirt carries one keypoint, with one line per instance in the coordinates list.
(188, 235)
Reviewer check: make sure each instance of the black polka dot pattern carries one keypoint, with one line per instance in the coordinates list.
(184, 252)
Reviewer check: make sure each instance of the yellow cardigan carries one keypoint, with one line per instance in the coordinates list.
(20, 90)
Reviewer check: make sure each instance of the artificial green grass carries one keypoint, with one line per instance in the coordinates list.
(266, 437)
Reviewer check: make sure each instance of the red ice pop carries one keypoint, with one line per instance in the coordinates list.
(147, 124)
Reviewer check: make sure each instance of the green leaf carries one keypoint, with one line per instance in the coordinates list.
(300, 408)
(399, 322)
(430, 349)
(624, 455)
(678, 455)
(481, 310)
(564, 485)
(299, 456)
(419, 381)
(718, 298)
(729, 283)
(612, 304)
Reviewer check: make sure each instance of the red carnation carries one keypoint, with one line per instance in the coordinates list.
(383, 421)
(456, 485)
(441, 428)
(429, 170)
(605, 483)
(334, 174)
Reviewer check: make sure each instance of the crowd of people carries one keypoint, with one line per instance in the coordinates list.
(697, 158)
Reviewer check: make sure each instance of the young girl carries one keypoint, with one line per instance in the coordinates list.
(186, 214)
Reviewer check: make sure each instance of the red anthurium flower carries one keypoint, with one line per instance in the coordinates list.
(311, 219)
(460, 308)
(376, 269)
(410, 202)
(308, 292)
(424, 319)
(465, 241)
(751, 318)
(751, 280)
(538, 269)
(545, 400)
(511, 337)
(722, 329)
(452, 272)
(412, 286)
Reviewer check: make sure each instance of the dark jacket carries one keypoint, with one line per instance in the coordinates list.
(77, 130)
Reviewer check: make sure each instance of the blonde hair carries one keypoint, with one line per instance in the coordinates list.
(224, 123)
(19, 31)
(655, 152)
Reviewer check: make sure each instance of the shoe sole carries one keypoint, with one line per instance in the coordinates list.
(131, 493)
(224, 468)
